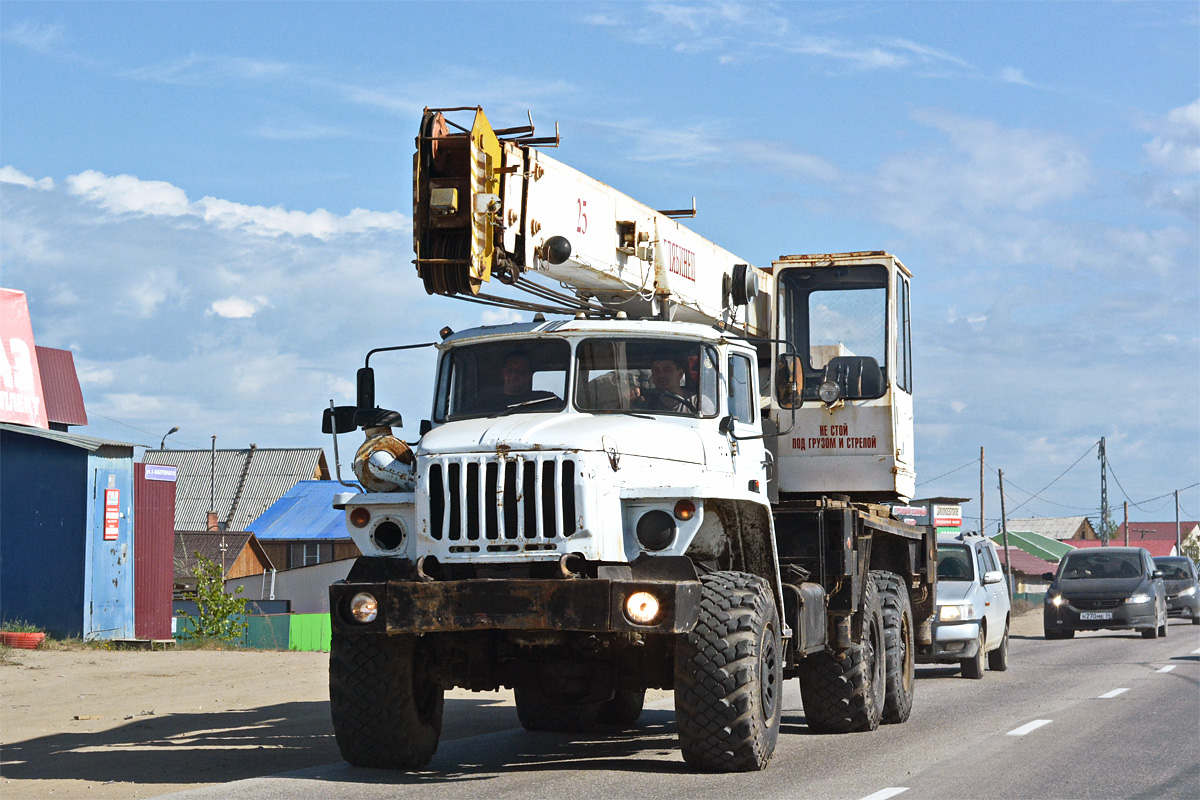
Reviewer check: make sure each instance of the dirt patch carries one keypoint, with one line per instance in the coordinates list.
(93, 723)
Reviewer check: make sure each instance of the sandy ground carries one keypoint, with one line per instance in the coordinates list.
(82, 722)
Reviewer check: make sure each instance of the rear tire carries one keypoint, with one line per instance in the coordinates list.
(898, 638)
(538, 711)
(847, 695)
(973, 667)
(998, 658)
(729, 676)
(385, 700)
(624, 709)
(1196, 620)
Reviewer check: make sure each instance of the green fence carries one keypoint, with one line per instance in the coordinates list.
(279, 632)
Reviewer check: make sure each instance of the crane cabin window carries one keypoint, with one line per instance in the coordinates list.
(837, 316)
(647, 376)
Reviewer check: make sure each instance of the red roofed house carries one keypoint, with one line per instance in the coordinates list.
(1157, 547)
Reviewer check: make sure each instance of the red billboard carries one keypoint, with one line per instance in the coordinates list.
(21, 399)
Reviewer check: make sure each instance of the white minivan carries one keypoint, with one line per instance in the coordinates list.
(973, 607)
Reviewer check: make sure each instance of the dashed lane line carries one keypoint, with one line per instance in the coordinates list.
(1113, 693)
(884, 794)
(1029, 726)
(1167, 668)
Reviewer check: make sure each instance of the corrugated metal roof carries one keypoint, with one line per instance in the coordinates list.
(1140, 531)
(305, 512)
(1055, 527)
(60, 386)
(210, 544)
(1043, 547)
(264, 475)
(90, 443)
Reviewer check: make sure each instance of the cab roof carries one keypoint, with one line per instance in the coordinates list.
(630, 327)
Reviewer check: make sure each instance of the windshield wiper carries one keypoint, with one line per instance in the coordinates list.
(522, 404)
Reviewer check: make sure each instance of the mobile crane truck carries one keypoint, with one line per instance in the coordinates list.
(680, 485)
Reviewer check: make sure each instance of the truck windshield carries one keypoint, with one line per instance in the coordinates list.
(835, 312)
(511, 377)
(648, 376)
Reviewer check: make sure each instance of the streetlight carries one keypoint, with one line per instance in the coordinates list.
(165, 435)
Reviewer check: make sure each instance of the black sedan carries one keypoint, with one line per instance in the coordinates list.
(1106, 588)
(1179, 578)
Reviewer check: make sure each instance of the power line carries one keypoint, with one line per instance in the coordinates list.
(1044, 500)
(951, 472)
(1051, 483)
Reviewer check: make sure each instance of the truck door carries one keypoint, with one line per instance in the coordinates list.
(749, 455)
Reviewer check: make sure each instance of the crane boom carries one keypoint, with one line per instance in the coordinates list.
(490, 207)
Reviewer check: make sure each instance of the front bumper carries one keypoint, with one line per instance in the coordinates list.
(952, 642)
(1122, 616)
(1186, 606)
(586, 604)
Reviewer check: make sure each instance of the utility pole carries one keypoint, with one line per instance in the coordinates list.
(1103, 495)
(1127, 523)
(1004, 530)
(1178, 540)
(982, 518)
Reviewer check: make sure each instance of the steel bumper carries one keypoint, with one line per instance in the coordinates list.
(951, 643)
(586, 604)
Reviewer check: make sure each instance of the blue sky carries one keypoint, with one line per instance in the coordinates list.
(210, 203)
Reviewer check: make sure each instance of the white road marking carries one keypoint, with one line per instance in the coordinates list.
(1196, 652)
(1167, 668)
(1113, 693)
(1029, 726)
(884, 794)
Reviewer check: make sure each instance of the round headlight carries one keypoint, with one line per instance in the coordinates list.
(364, 607)
(1057, 600)
(360, 516)
(828, 392)
(641, 608)
(656, 530)
(685, 510)
(388, 534)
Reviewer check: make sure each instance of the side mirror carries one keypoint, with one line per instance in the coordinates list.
(377, 418)
(1048, 576)
(339, 419)
(1156, 574)
(366, 388)
(426, 427)
(789, 375)
(993, 576)
(725, 425)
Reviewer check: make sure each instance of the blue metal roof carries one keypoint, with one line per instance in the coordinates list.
(305, 512)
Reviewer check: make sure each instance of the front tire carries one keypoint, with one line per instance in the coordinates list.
(998, 658)
(1150, 633)
(973, 667)
(729, 676)
(385, 700)
(847, 695)
(898, 638)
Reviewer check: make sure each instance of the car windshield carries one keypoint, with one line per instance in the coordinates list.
(1093, 566)
(1174, 569)
(510, 377)
(648, 376)
(954, 563)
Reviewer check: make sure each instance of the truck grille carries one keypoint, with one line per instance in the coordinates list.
(514, 499)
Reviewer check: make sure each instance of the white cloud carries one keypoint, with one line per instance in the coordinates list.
(40, 38)
(1176, 148)
(127, 194)
(91, 376)
(235, 307)
(501, 316)
(10, 174)
(1014, 75)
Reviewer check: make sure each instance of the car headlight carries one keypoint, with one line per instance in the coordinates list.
(1188, 592)
(641, 608)
(1057, 600)
(364, 607)
(956, 612)
(1140, 597)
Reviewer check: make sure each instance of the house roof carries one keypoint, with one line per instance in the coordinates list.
(1140, 531)
(244, 483)
(1157, 547)
(60, 386)
(1042, 547)
(1025, 563)
(219, 546)
(1054, 527)
(89, 443)
(304, 512)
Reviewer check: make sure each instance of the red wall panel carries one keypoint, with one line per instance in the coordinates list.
(153, 550)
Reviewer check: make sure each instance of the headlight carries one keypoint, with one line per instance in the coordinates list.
(828, 391)
(1140, 597)
(656, 530)
(958, 612)
(641, 608)
(1188, 592)
(1057, 600)
(364, 607)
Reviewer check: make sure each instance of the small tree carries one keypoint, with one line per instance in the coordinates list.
(221, 615)
(1191, 545)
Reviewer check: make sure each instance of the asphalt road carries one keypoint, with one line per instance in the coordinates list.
(1104, 715)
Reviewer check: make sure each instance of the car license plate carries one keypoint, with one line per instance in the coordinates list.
(1095, 615)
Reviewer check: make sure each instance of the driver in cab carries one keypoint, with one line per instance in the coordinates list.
(670, 392)
(516, 388)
